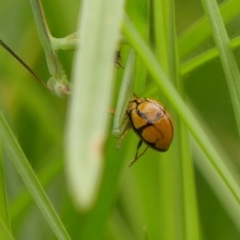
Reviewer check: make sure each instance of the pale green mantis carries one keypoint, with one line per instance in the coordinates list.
(120, 125)
(58, 82)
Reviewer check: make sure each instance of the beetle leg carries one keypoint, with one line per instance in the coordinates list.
(118, 59)
(126, 128)
(138, 156)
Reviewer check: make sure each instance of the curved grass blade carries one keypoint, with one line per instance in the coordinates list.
(205, 57)
(4, 232)
(217, 184)
(4, 215)
(226, 55)
(197, 33)
(26, 172)
(23, 200)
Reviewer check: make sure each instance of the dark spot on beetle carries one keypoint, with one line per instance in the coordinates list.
(158, 115)
(142, 115)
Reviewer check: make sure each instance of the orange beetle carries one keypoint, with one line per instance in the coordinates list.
(152, 123)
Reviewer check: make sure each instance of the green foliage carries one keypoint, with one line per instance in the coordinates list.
(189, 192)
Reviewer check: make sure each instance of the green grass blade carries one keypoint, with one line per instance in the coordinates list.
(205, 57)
(189, 221)
(191, 227)
(46, 176)
(140, 18)
(118, 228)
(164, 32)
(26, 172)
(4, 232)
(93, 80)
(226, 55)
(161, 32)
(4, 216)
(217, 184)
(197, 33)
(186, 217)
(185, 114)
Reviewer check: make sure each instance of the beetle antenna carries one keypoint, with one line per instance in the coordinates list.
(138, 156)
(23, 63)
(135, 95)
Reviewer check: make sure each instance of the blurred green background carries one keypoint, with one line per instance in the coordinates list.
(128, 199)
